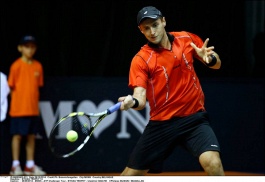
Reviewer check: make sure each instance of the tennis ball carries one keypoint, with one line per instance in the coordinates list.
(72, 136)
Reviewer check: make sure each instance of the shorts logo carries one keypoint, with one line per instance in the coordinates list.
(214, 146)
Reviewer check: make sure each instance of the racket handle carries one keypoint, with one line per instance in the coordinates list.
(114, 108)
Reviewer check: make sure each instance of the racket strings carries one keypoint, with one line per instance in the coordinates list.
(82, 123)
(58, 142)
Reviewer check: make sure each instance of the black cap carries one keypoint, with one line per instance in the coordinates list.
(27, 39)
(148, 12)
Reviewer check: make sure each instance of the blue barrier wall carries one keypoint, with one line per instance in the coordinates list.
(236, 108)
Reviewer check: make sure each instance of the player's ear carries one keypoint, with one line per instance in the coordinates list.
(164, 21)
(140, 29)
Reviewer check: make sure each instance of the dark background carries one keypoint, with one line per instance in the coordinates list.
(100, 37)
(235, 107)
(81, 40)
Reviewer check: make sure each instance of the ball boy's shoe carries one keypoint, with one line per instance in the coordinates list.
(35, 170)
(16, 171)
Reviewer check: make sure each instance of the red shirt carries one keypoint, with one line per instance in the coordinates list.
(172, 86)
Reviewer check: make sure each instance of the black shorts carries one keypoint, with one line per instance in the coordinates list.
(159, 139)
(24, 125)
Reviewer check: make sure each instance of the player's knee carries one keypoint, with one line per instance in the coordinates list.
(215, 163)
(211, 163)
(133, 172)
(213, 167)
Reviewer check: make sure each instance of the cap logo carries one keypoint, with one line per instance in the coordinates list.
(145, 12)
(154, 16)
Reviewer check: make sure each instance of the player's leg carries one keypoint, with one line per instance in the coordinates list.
(154, 146)
(133, 172)
(202, 142)
(211, 163)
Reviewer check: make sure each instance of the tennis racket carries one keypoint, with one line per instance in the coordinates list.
(84, 124)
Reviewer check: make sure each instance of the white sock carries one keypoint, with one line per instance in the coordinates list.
(15, 163)
(30, 163)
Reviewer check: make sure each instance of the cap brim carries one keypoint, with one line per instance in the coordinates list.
(148, 16)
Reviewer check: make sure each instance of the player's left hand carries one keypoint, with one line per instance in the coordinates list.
(204, 52)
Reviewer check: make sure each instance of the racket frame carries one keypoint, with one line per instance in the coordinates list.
(100, 115)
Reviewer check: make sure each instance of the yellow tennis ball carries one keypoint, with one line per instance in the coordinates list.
(72, 136)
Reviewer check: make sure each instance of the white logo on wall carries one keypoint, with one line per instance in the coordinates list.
(50, 116)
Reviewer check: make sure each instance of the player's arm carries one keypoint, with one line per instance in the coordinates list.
(136, 101)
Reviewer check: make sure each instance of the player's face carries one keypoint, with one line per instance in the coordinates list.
(153, 30)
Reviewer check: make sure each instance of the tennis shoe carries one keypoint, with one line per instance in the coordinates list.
(35, 170)
(16, 171)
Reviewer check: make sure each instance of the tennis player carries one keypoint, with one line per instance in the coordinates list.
(162, 72)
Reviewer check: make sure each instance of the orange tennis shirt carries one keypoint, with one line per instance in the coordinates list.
(172, 86)
(24, 80)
